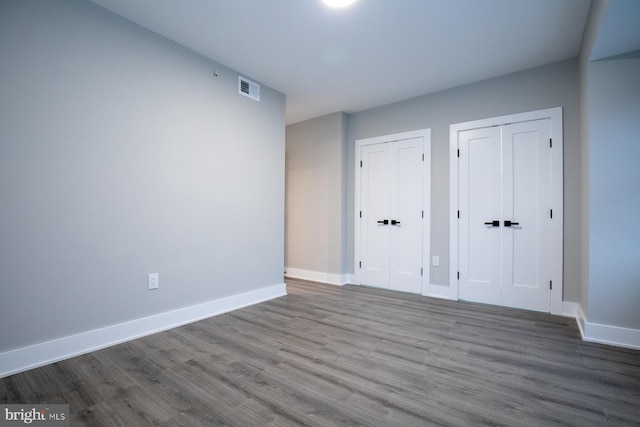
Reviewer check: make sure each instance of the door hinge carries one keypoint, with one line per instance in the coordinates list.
(422, 214)
(423, 157)
(421, 271)
(550, 143)
(458, 214)
(458, 275)
(360, 214)
(551, 213)
(550, 284)
(458, 152)
(359, 264)
(360, 163)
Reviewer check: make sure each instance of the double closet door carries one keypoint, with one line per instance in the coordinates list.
(505, 215)
(391, 214)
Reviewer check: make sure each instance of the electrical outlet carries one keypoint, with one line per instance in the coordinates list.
(435, 261)
(154, 281)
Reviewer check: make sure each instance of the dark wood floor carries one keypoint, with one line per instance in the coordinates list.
(326, 355)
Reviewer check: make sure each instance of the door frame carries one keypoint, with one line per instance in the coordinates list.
(557, 195)
(425, 134)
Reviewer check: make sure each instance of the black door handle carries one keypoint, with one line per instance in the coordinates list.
(508, 223)
(394, 222)
(495, 223)
(384, 221)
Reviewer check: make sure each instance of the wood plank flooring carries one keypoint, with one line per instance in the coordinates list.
(326, 355)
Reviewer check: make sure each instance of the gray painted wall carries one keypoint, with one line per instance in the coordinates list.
(589, 37)
(121, 155)
(544, 87)
(614, 190)
(610, 122)
(315, 195)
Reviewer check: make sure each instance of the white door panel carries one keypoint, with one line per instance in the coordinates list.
(526, 200)
(480, 175)
(375, 196)
(406, 210)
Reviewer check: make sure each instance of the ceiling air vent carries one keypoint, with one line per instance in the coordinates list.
(248, 88)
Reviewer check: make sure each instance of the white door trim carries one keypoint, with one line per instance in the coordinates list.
(555, 114)
(425, 134)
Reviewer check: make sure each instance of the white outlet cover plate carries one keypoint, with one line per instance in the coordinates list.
(154, 281)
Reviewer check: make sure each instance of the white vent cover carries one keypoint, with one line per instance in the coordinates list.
(248, 88)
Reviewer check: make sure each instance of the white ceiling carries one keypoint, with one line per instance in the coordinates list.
(373, 53)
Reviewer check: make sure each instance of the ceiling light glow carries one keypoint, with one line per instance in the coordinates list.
(338, 3)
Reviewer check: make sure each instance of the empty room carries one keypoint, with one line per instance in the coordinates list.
(316, 212)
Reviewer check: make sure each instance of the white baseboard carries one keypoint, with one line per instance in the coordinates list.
(23, 359)
(440, 291)
(607, 334)
(317, 276)
(580, 319)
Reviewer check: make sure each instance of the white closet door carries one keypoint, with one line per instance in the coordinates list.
(505, 225)
(375, 193)
(526, 195)
(391, 201)
(406, 211)
(480, 262)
